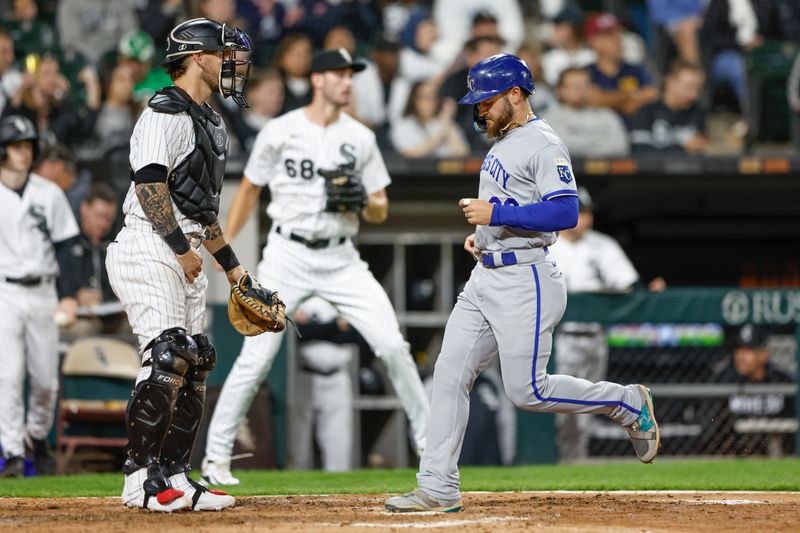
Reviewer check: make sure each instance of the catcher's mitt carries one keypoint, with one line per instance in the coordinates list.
(344, 189)
(252, 309)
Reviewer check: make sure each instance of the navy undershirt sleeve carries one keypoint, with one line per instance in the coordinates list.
(68, 279)
(555, 214)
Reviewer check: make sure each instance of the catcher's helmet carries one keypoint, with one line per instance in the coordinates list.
(202, 34)
(16, 128)
(497, 74)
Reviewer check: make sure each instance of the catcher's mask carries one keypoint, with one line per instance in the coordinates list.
(202, 34)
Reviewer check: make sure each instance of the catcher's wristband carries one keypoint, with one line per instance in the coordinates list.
(177, 241)
(226, 258)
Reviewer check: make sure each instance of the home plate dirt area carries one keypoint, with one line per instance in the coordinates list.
(508, 512)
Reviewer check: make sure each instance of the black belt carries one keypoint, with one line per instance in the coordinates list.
(29, 281)
(310, 370)
(314, 244)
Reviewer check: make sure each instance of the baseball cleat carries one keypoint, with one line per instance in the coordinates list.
(202, 498)
(644, 433)
(419, 501)
(166, 501)
(218, 472)
(13, 467)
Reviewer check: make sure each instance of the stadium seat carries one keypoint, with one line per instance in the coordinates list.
(96, 379)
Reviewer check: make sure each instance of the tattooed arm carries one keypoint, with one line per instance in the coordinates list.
(153, 194)
(218, 246)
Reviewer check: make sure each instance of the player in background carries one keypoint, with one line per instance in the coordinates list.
(515, 295)
(309, 250)
(37, 231)
(177, 158)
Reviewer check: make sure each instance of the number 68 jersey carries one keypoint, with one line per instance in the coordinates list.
(286, 156)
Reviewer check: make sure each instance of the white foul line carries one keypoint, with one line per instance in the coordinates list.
(429, 525)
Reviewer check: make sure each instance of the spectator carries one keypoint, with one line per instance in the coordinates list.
(455, 86)
(98, 211)
(568, 49)
(591, 262)
(293, 61)
(57, 164)
(674, 124)
(619, 85)
(31, 34)
(588, 131)
(455, 19)
(422, 132)
(727, 427)
(315, 18)
(793, 94)
(10, 77)
(117, 115)
(323, 410)
(222, 11)
(93, 27)
(136, 51)
(266, 28)
(43, 99)
(484, 24)
(394, 89)
(265, 96)
(543, 97)
(681, 21)
(158, 17)
(418, 37)
(730, 28)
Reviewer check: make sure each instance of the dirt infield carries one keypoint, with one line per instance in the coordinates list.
(507, 512)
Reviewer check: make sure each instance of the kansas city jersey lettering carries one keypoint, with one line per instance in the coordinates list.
(494, 167)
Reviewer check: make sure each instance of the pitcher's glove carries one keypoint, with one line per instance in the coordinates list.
(252, 309)
(344, 190)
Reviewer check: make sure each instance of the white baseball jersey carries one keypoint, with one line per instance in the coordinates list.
(286, 156)
(30, 224)
(160, 139)
(594, 263)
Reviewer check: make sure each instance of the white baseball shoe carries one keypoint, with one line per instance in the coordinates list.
(201, 498)
(218, 472)
(166, 501)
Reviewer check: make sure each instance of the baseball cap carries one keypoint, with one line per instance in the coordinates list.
(334, 59)
(571, 14)
(600, 23)
(584, 199)
(750, 336)
(137, 45)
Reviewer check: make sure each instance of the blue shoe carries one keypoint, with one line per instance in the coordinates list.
(419, 501)
(644, 433)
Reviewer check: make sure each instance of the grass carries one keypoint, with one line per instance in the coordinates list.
(744, 474)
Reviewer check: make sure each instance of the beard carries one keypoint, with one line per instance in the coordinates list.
(212, 80)
(497, 124)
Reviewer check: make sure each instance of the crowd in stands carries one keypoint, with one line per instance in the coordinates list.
(613, 77)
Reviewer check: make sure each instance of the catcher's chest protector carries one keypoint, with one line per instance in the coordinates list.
(196, 182)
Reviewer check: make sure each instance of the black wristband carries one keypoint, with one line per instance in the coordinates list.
(177, 241)
(226, 258)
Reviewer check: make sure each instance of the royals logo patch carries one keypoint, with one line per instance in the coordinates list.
(564, 172)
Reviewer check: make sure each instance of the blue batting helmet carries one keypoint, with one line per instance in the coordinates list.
(497, 74)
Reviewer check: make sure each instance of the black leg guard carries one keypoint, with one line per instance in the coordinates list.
(189, 409)
(150, 409)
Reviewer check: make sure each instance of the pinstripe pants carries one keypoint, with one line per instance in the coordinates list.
(338, 275)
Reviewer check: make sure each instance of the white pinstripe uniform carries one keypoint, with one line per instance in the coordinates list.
(29, 225)
(286, 156)
(143, 270)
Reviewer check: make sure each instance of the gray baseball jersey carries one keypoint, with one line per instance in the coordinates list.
(531, 164)
(511, 310)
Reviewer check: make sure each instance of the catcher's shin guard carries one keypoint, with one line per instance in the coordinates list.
(152, 402)
(189, 409)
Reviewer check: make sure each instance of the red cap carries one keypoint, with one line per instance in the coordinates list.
(600, 23)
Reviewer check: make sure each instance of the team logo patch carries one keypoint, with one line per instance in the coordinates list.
(470, 83)
(182, 47)
(564, 172)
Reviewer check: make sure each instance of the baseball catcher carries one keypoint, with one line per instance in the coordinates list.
(344, 190)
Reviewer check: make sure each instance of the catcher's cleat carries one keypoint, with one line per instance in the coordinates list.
(13, 467)
(418, 501)
(218, 473)
(203, 499)
(644, 433)
(166, 501)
